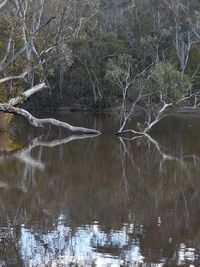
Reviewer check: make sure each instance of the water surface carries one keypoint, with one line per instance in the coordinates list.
(101, 201)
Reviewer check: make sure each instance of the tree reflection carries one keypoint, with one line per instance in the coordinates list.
(102, 201)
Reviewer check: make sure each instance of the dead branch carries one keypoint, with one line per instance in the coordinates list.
(159, 115)
(9, 78)
(41, 122)
(2, 3)
(126, 117)
(18, 100)
(9, 108)
(150, 123)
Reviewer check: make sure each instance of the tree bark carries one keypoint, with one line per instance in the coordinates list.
(41, 122)
(9, 108)
(19, 99)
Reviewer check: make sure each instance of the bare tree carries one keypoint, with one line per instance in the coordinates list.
(186, 31)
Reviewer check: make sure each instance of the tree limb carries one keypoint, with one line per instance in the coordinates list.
(2, 3)
(17, 100)
(41, 122)
(21, 76)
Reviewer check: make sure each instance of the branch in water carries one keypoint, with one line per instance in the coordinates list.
(41, 122)
(150, 124)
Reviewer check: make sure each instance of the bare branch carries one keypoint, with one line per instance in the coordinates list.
(159, 115)
(16, 55)
(3, 2)
(6, 53)
(21, 76)
(17, 100)
(131, 111)
(41, 122)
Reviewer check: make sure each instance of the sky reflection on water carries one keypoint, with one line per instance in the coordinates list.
(80, 248)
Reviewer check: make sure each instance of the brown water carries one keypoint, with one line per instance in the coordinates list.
(101, 201)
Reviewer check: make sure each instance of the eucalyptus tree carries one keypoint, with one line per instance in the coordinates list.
(186, 30)
(152, 90)
(27, 43)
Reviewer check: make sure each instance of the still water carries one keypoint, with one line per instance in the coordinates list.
(101, 201)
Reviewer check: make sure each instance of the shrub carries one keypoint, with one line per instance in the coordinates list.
(165, 78)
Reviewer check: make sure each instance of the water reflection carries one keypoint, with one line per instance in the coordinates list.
(88, 245)
(101, 201)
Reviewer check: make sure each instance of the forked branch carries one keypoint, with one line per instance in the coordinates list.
(150, 123)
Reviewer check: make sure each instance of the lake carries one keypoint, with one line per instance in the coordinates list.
(100, 201)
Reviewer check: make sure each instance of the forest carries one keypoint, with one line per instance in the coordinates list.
(124, 55)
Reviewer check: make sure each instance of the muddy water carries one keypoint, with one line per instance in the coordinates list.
(101, 201)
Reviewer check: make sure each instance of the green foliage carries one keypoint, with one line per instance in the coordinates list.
(193, 63)
(165, 78)
(102, 45)
(91, 53)
(119, 69)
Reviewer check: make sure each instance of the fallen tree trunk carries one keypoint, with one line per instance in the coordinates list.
(9, 108)
(41, 122)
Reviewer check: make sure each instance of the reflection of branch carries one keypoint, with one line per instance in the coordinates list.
(158, 147)
(165, 156)
(38, 142)
(126, 154)
(23, 154)
(26, 158)
(130, 156)
(181, 166)
(168, 156)
(123, 161)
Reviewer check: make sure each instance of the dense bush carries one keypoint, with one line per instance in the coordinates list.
(166, 79)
